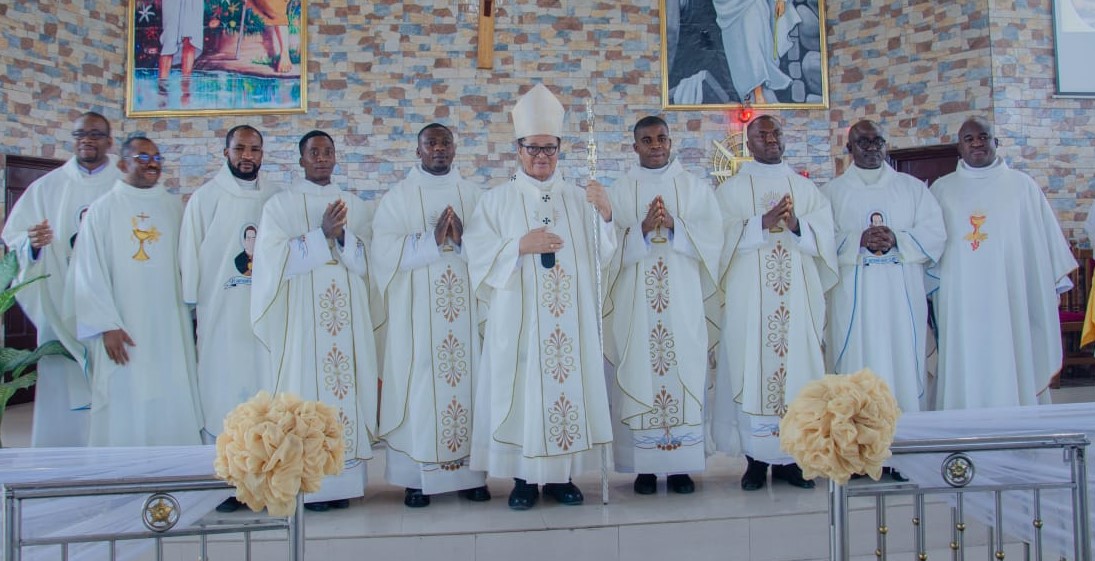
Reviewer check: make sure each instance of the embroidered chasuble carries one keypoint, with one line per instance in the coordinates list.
(126, 276)
(1004, 265)
(432, 342)
(540, 399)
(62, 394)
(878, 312)
(659, 336)
(310, 307)
(216, 247)
(772, 323)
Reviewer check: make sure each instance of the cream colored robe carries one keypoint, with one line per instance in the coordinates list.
(62, 394)
(774, 317)
(540, 399)
(659, 336)
(310, 308)
(432, 342)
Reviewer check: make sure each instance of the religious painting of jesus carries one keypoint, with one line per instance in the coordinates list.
(203, 57)
(725, 54)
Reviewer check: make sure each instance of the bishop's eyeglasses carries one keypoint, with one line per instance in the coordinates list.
(534, 151)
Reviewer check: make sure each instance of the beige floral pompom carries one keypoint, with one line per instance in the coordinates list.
(273, 448)
(841, 425)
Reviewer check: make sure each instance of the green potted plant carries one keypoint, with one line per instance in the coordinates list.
(15, 362)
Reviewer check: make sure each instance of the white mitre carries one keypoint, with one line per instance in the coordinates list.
(538, 112)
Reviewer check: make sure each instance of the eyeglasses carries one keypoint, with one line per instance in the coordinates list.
(145, 158)
(93, 135)
(865, 143)
(534, 151)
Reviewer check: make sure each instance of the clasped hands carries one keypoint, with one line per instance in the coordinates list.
(448, 226)
(40, 235)
(334, 221)
(785, 211)
(657, 216)
(878, 239)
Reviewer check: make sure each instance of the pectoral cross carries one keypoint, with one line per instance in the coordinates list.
(485, 58)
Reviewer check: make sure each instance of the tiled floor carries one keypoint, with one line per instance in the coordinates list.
(719, 521)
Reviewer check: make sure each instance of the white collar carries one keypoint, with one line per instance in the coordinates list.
(767, 170)
(669, 170)
(990, 170)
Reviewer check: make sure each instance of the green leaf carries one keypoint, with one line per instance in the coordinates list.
(18, 360)
(7, 298)
(9, 268)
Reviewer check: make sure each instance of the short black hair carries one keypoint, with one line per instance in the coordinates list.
(94, 115)
(433, 126)
(232, 132)
(310, 135)
(648, 121)
(759, 118)
(127, 146)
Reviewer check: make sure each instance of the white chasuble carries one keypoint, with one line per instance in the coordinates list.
(62, 196)
(126, 276)
(878, 312)
(1004, 265)
(310, 306)
(658, 334)
(432, 342)
(216, 249)
(774, 283)
(540, 394)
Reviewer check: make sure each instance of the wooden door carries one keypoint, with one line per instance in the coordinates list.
(19, 173)
(926, 163)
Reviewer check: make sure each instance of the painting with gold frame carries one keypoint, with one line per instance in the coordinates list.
(210, 57)
(723, 54)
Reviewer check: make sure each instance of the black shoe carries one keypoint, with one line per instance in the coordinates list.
(680, 484)
(229, 505)
(756, 475)
(339, 504)
(646, 484)
(792, 474)
(476, 495)
(415, 499)
(566, 493)
(895, 475)
(523, 496)
(321, 506)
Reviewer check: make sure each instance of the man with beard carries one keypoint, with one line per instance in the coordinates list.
(310, 307)
(888, 230)
(51, 210)
(664, 271)
(777, 263)
(130, 312)
(1003, 267)
(219, 219)
(432, 345)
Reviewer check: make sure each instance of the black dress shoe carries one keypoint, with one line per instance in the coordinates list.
(756, 475)
(321, 506)
(646, 484)
(415, 499)
(477, 495)
(895, 475)
(792, 474)
(566, 493)
(523, 496)
(229, 505)
(680, 484)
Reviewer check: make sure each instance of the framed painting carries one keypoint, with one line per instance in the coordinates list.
(723, 54)
(207, 57)
(1074, 41)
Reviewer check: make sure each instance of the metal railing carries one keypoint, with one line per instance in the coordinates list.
(160, 513)
(957, 470)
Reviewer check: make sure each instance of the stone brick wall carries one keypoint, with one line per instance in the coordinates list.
(380, 70)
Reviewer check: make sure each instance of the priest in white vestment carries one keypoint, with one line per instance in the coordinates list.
(541, 408)
(310, 307)
(432, 343)
(1005, 263)
(216, 249)
(888, 230)
(670, 229)
(41, 229)
(129, 310)
(776, 266)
